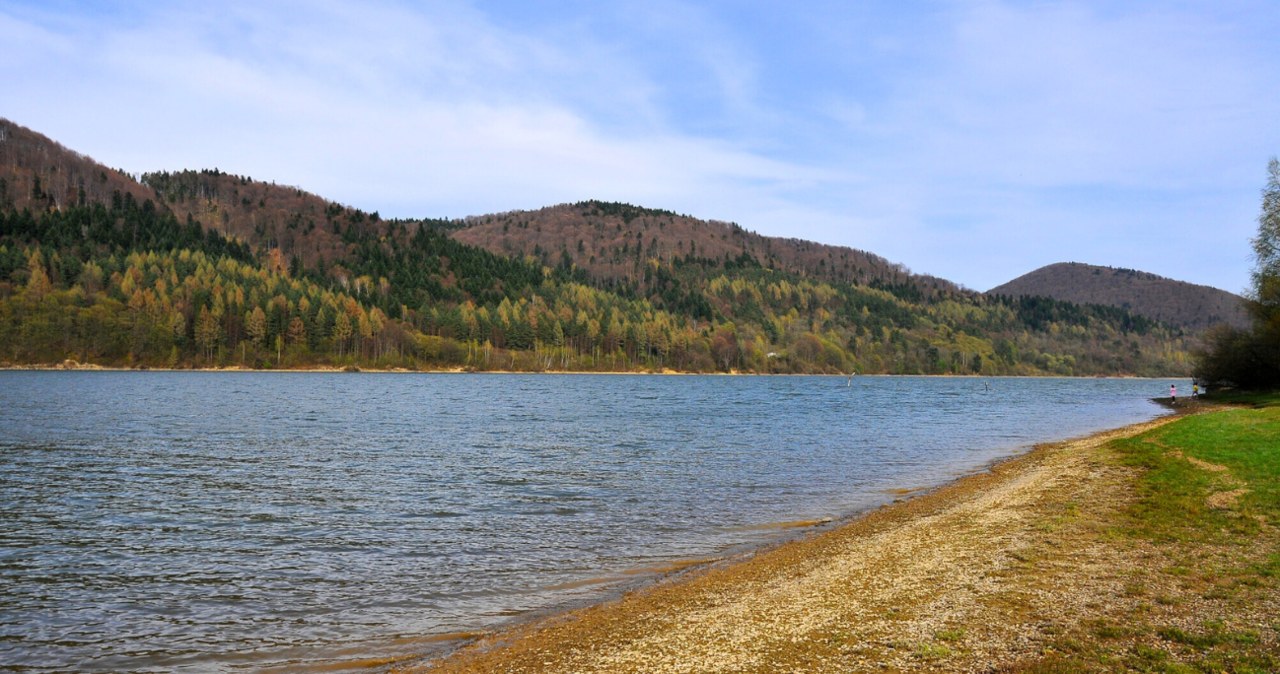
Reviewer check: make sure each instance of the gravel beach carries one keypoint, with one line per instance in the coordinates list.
(976, 576)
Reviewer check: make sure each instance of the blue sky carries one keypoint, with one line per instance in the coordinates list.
(970, 140)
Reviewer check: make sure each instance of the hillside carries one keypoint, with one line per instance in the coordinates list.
(616, 241)
(267, 215)
(1193, 307)
(38, 174)
(210, 269)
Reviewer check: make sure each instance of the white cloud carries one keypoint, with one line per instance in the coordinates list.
(422, 111)
(1047, 130)
(1053, 95)
(972, 141)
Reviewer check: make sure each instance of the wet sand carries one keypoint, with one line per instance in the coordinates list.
(974, 576)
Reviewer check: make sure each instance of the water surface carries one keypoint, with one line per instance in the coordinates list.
(163, 521)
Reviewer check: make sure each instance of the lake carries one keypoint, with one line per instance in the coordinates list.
(199, 521)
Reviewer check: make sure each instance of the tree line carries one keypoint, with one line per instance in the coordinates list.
(127, 283)
(1250, 358)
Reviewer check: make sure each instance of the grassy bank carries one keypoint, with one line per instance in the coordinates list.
(1151, 549)
(1208, 505)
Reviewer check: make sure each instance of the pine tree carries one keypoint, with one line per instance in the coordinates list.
(208, 332)
(1265, 294)
(341, 331)
(38, 284)
(1251, 359)
(1266, 248)
(255, 323)
(297, 331)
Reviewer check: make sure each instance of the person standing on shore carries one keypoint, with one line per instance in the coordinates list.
(1173, 394)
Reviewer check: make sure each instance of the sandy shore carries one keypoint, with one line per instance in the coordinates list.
(71, 365)
(976, 576)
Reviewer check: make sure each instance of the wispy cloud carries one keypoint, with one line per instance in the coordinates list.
(1041, 131)
(973, 140)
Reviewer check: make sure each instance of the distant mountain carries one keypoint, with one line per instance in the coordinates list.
(1177, 303)
(38, 174)
(208, 268)
(267, 215)
(615, 241)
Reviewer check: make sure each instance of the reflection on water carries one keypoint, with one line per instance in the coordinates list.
(218, 521)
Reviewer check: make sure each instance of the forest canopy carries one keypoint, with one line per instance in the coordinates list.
(128, 284)
(1250, 358)
(211, 269)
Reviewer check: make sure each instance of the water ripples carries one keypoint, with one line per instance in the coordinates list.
(227, 521)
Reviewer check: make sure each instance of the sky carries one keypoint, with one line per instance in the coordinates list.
(975, 141)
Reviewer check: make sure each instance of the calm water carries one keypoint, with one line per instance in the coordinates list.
(228, 521)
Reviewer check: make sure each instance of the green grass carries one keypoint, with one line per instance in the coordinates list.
(931, 651)
(950, 635)
(1222, 555)
(1174, 490)
(1214, 634)
(1250, 398)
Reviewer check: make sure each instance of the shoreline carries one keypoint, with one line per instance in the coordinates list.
(73, 366)
(402, 647)
(741, 612)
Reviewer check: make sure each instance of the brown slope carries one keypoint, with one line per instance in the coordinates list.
(614, 241)
(610, 241)
(38, 174)
(1186, 305)
(266, 215)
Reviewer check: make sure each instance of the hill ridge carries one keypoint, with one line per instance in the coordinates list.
(38, 173)
(207, 268)
(613, 240)
(1192, 306)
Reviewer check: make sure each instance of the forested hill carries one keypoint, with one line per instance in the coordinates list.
(211, 269)
(610, 242)
(1194, 307)
(38, 174)
(616, 241)
(266, 215)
